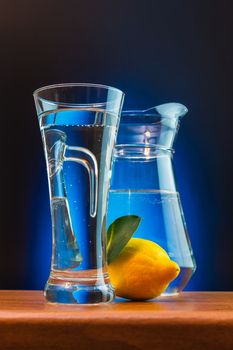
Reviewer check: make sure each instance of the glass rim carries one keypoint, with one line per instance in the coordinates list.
(60, 85)
(151, 146)
(144, 114)
(169, 110)
(139, 113)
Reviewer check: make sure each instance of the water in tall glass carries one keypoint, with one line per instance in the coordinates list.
(78, 147)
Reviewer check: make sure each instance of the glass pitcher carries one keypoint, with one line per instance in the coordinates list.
(143, 184)
(78, 124)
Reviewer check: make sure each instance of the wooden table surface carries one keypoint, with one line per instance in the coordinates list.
(200, 320)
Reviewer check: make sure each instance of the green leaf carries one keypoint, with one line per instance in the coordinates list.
(119, 233)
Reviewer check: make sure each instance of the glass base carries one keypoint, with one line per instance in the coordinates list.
(79, 291)
(170, 294)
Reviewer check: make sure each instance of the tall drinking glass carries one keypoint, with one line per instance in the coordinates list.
(78, 124)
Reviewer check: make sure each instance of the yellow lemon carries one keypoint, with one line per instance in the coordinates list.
(143, 270)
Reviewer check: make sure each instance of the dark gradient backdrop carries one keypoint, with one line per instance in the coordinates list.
(156, 51)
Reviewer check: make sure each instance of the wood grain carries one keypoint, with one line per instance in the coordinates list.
(189, 321)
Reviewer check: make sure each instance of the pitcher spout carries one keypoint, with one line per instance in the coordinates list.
(169, 110)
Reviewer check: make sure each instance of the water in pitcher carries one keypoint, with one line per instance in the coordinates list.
(76, 229)
(162, 222)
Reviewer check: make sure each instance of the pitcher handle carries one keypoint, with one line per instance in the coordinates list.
(88, 160)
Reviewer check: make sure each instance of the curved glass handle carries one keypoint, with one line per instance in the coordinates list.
(86, 158)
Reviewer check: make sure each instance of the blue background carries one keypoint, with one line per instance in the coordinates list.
(156, 52)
